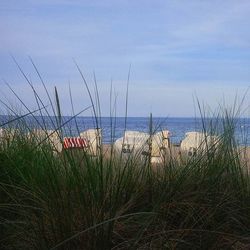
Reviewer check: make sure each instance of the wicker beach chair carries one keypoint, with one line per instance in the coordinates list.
(132, 143)
(93, 139)
(160, 145)
(143, 145)
(7, 135)
(52, 137)
(197, 142)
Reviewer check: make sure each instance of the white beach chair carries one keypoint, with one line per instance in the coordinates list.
(141, 144)
(197, 142)
(94, 140)
(133, 142)
(48, 136)
(160, 144)
(8, 134)
(2, 134)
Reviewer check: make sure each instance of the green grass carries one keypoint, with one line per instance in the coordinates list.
(70, 200)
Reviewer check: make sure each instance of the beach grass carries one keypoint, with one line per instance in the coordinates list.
(71, 200)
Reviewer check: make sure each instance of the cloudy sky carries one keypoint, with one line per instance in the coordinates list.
(177, 50)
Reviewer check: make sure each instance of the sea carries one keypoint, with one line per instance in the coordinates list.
(114, 127)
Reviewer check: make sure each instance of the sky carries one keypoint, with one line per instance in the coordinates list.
(179, 51)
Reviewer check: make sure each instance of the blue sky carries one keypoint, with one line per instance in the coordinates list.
(177, 49)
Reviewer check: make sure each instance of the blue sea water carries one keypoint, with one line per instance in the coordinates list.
(177, 126)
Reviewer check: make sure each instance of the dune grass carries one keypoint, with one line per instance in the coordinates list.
(71, 200)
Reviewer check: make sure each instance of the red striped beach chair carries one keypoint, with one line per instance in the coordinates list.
(75, 142)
